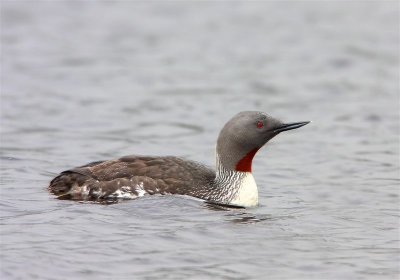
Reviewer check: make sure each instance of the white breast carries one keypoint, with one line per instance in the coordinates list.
(247, 195)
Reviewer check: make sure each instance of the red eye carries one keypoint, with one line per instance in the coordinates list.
(260, 124)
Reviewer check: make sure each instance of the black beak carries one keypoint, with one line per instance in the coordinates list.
(289, 126)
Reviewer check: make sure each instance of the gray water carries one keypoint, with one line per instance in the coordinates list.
(84, 81)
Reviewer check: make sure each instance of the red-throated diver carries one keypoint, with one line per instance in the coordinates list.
(133, 176)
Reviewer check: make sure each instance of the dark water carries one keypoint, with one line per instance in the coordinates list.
(84, 81)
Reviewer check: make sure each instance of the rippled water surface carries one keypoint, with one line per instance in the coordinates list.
(84, 81)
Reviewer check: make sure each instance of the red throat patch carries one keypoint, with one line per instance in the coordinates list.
(244, 165)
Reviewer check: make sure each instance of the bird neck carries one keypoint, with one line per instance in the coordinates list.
(244, 164)
(237, 187)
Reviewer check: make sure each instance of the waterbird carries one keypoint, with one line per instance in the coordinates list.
(129, 177)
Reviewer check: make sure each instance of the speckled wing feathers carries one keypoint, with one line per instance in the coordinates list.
(131, 177)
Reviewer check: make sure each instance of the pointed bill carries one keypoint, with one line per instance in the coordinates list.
(290, 126)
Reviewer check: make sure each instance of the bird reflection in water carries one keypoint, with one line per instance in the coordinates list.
(238, 216)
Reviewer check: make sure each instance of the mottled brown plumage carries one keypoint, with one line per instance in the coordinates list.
(161, 175)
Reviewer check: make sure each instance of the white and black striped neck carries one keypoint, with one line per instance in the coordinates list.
(234, 187)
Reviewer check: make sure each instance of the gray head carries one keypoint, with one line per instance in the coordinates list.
(243, 135)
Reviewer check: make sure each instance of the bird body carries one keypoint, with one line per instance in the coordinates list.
(130, 177)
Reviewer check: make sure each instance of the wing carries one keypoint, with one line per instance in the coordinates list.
(130, 177)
